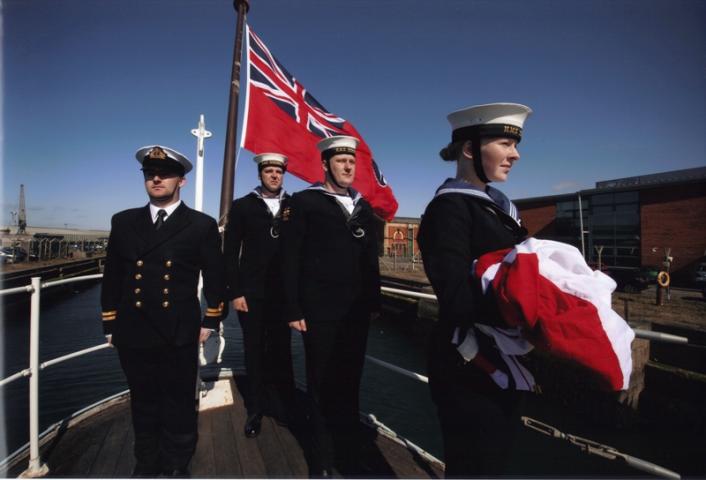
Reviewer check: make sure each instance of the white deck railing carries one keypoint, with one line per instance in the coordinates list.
(37, 469)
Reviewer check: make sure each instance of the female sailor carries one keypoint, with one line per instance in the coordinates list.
(478, 390)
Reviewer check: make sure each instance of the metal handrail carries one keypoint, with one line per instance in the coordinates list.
(69, 356)
(10, 291)
(639, 333)
(64, 281)
(15, 376)
(408, 293)
(35, 467)
(400, 370)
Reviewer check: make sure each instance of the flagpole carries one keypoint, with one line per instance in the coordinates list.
(228, 177)
(201, 134)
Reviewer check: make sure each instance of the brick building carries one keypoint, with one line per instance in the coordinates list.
(400, 237)
(634, 221)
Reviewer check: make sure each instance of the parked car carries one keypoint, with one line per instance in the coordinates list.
(700, 274)
(700, 278)
(633, 280)
(13, 254)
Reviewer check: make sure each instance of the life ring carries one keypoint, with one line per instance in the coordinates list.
(663, 279)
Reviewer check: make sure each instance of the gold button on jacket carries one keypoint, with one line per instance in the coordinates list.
(160, 270)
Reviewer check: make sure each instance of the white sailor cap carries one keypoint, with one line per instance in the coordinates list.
(336, 145)
(270, 160)
(490, 120)
(157, 156)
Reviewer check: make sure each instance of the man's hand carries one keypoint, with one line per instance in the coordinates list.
(205, 333)
(240, 304)
(298, 325)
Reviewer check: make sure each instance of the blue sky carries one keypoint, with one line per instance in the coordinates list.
(618, 89)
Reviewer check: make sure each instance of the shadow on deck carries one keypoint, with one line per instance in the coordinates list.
(100, 444)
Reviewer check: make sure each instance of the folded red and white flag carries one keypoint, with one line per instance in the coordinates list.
(561, 304)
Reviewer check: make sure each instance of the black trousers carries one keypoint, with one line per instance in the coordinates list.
(268, 355)
(479, 431)
(335, 353)
(162, 383)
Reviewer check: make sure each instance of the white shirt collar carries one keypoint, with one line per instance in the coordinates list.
(170, 209)
(352, 193)
(258, 191)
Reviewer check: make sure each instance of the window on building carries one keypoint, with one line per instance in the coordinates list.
(610, 220)
(614, 224)
(568, 221)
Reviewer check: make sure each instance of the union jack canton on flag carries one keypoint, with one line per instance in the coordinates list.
(281, 116)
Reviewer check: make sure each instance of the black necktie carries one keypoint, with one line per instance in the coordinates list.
(161, 213)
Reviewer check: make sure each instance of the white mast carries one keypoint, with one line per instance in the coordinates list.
(200, 133)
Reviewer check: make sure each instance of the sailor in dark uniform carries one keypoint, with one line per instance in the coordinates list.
(152, 314)
(332, 286)
(252, 254)
(478, 393)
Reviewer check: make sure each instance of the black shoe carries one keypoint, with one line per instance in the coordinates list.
(323, 473)
(253, 425)
(177, 473)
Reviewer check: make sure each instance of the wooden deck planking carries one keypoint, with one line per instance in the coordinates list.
(203, 462)
(253, 465)
(227, 461)
(106, 461)
(405, 463)
(101, 446)
(126, 457)
(75, 451)
(292, 452)
(276, 465)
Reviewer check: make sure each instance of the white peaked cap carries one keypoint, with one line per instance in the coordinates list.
(508, 117)
(492, 113)
(339, 144)
(270, 159)
(158, 155)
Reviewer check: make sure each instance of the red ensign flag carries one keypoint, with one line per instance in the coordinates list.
(282, 117)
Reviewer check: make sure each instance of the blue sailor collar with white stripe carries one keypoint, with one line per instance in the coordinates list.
(258, 192)
(353, 193)
(491, 194)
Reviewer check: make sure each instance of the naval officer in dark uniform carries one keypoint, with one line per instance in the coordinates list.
(332, 286)
(252, 254)
(152, 314)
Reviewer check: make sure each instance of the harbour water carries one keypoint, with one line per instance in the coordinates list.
(70, 321)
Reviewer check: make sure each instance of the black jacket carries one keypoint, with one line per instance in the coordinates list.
(455, 230)
(149, 293)
(251, 247)
(330, 264)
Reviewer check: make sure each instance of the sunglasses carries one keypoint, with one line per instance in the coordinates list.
(163, 174)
